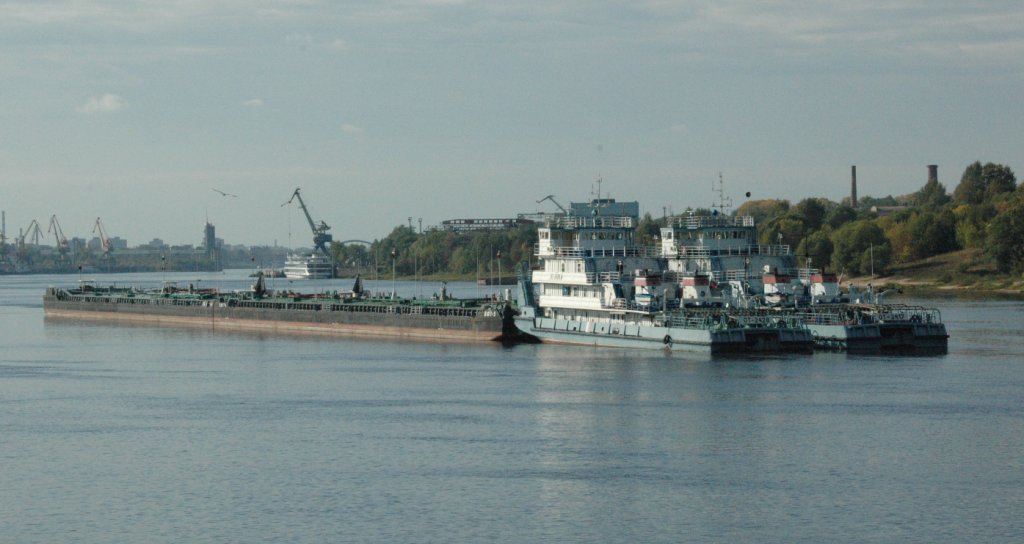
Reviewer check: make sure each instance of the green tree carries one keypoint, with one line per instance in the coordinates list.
(783, 230)
(859, 243)
(971, 189)
(1005, 239)
(900, 238)
(932, 195)
(981, 184)
(839, 216)
(763, 210)
(869, 201)
(648, 229)
(971, 223)
(999, 179)
(932, 234)
(811, 212)
(349, 255)
(818, 247)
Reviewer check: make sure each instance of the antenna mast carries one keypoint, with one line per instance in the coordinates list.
(723, 203)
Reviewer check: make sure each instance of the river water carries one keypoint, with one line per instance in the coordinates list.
(112, 433)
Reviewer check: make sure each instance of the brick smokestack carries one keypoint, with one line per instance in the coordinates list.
(933, 173)
(853, 186)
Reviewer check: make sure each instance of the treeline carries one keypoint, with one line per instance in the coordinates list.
(441, 253)
(985, 211)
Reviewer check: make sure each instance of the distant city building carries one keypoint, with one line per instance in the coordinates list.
(116, 242)
(155, 243)
(210, 240)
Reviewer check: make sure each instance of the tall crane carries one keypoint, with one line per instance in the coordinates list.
(33, 231)
(320, 236)
(58, 234)
(552, 199)
(104, 241)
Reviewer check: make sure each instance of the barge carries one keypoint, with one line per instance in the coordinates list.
(259, 309)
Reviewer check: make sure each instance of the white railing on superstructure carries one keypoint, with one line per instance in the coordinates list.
(754, 249)
(603, 277)
(704, 221)
(597, 222)
(578, 252)
(739, 274)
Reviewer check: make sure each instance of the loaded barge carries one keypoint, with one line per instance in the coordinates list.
(259, 309)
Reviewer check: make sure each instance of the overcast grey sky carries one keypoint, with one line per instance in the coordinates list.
(381, 110)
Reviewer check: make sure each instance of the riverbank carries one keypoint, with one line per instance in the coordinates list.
(959, 273)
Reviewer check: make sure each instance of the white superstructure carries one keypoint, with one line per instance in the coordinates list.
(309, 266)
(595, 285)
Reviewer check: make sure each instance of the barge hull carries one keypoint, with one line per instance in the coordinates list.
(749, 340)
(369, 325)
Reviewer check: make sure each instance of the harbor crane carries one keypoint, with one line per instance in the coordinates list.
(552, 199)
(34, 231)
(62, 241)
(320, 236)
(104, 240)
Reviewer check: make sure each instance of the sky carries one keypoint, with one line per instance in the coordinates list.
(381, 111)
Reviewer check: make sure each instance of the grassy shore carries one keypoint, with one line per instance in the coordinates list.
(960, 273)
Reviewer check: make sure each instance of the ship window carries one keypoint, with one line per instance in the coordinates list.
(562, 267)
(565, 290)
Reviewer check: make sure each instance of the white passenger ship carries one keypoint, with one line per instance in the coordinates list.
(308, 266)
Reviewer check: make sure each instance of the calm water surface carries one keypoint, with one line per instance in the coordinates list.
(141, 434)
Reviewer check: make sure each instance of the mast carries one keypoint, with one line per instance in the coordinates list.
(723, 203)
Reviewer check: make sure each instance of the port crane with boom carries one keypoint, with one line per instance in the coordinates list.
(104, 241)
(320, 236)
(552, 199)
(62, 242)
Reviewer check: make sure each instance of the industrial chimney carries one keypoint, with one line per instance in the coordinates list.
(853, 186)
